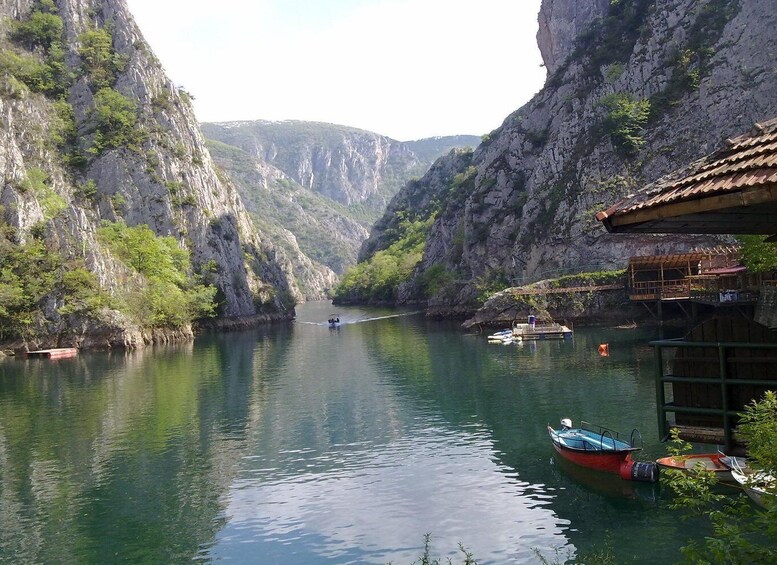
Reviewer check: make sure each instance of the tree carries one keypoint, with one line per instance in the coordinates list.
(758, 255)
(625, 120)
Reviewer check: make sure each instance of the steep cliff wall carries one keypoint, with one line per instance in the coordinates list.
(560, 22)
(645, 87)
(353, 167)
(92, 131)
(316, 187)
(318, 239)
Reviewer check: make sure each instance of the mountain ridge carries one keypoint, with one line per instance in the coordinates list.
(322, 184)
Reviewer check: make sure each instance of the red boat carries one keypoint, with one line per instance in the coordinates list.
(597, 447)
(717, 463)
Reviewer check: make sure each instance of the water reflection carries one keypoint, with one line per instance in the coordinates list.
(370, 503)
(121, 456)
(296, 444)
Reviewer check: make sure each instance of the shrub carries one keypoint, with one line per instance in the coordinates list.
(100, 63)
(29, 70)
(625, 120)
(28, 273)
(434, 280)
(63, 125)
(87, 190)
(115, 117)
(41, 29)
(170, 296)
(81, 293)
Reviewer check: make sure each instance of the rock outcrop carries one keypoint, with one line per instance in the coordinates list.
(645, 87)
(107, 137)
(560, 23)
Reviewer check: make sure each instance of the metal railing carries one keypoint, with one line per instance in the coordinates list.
(723, 381)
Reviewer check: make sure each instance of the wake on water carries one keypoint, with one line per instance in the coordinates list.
(362, 320)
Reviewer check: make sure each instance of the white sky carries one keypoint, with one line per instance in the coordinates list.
(403, 68)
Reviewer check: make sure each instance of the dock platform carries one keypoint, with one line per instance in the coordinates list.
(60, 353)
(541, 331)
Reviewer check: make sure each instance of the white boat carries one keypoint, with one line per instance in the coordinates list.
(501, 335)
(504, 339)
(757, 485)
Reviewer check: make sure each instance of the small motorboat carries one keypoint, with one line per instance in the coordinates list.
(597, 447)
(501, 334)
(713, 462)
(757, 484)
(505, 337)
(334, 321)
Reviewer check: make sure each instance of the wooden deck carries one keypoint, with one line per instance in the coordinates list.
(59, 353)
(541, 331)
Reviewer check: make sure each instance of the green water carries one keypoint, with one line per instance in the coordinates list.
(301, 444)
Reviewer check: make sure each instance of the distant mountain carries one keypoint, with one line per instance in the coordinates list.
(320, 185)
(430, 148)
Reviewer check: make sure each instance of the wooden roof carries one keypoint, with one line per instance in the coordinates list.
(729, 255)
(667, 260)
(732, 191)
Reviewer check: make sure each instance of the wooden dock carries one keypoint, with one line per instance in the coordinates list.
(60, 353)
(541, 331)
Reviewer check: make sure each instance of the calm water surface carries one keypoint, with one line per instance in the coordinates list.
(301, 444)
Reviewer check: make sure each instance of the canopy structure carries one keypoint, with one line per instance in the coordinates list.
(732, 191)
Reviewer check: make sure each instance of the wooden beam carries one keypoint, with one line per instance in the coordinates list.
(748, 197)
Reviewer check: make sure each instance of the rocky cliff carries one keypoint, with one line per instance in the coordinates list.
(644, 87)
(93, 134)
(353, 167)
(317, 187)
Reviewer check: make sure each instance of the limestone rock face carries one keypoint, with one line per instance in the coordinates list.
(560, 22)
(346, 165)
(646, 87)
(165, 178)
(315, 188)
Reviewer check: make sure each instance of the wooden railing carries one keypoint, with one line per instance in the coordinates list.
(653, 290)
(691, 289)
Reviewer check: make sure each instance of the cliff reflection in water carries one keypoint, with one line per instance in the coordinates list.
(301, 444)
(114, 455)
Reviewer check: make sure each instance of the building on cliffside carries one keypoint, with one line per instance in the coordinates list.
(727, 361)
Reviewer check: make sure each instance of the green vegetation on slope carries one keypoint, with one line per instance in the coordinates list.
(36, 284)
(166, 294)
(377, 279)
(285, 205)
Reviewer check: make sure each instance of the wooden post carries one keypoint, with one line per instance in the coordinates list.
(660, 395)
(727, 434)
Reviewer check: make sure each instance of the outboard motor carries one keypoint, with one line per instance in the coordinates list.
(644, 471)
(566, 423)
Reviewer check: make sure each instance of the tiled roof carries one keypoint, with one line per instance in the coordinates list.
(743, 163)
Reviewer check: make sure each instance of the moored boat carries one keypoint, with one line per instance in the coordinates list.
(597, 447)
(758, 485)
(713, 462)
(501, 334)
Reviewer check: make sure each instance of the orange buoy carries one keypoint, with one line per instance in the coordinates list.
(604, 350)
